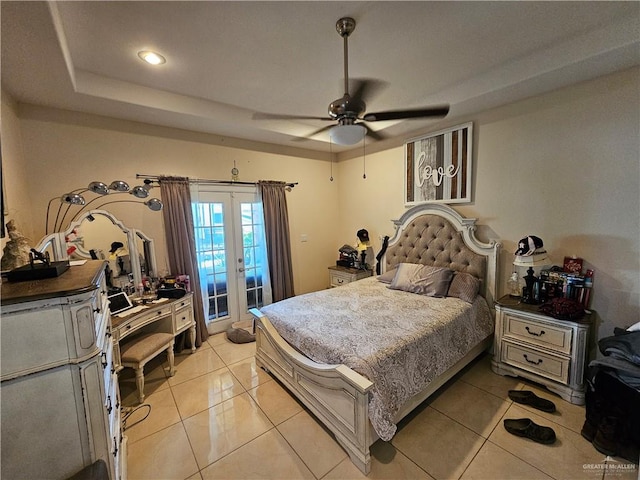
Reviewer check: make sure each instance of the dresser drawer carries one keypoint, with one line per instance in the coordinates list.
(532, 360)
(106, 361)
(549, 336)
(143, 319)
(183, 319)
(184, 302)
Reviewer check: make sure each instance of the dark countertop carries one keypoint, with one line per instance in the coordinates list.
(77, 279)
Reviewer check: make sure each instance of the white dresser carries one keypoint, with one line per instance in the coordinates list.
(60, 397)
(552, 352)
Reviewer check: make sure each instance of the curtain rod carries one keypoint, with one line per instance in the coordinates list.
(216, 182)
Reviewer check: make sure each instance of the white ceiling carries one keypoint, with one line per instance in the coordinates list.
(227, 60)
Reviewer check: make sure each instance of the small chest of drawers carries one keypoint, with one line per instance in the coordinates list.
(339, 276)
(543, 349)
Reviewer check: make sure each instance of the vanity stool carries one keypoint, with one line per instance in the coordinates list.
(140, 349)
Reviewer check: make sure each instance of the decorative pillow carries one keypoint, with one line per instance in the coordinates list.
(387, 277)
(464, 286)
(634, 328)
(422, 279)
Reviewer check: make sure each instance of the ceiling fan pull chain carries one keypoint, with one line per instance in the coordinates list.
(331, 157)
(364, 158)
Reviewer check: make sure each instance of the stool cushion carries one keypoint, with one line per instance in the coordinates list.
(139, 348)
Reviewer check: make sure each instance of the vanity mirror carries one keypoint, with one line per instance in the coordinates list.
(100, 235)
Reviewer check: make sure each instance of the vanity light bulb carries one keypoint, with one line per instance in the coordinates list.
(119, 186)
(140, 191)
(154, 204)
(99, 188)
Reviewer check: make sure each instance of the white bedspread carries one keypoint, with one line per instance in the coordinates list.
(398, 340)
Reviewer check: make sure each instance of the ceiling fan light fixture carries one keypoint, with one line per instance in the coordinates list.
(152, 58)
(347, 134)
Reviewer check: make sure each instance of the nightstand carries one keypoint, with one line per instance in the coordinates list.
(342, 275)
(543, 349)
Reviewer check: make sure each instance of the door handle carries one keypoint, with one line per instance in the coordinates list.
(241, 269)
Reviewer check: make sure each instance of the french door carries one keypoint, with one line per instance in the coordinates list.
(231, 252)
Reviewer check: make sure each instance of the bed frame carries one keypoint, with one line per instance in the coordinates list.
(337, 395)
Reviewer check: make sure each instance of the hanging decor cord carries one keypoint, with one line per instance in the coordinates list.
(156, 178)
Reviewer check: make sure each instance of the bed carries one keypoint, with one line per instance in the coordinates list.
(362, 356)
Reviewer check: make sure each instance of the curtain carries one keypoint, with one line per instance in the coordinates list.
(276, 225)
(195, 199)
(181, 244)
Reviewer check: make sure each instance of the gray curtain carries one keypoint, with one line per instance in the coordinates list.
(276, 226)
(181, 242)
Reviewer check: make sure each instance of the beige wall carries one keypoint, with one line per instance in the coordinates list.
(563, 166)
(15, 176)
(75, 149)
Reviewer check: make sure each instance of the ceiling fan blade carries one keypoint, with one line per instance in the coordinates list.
(440, 111)
(276, 116)
(312, 134)
(365, 89)
(373, 134)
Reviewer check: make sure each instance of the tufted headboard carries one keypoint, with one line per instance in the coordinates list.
(437, 235)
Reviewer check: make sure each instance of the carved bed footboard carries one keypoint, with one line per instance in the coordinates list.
(337, 395)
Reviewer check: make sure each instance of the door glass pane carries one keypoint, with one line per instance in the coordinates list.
(211, 255)
(252, 245)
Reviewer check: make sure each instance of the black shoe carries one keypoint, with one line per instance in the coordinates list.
(527, 397)
(524, 427)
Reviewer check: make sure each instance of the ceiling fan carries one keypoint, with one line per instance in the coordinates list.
(349, 110)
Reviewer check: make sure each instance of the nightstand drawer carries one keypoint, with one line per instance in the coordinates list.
(338, 279)
(539, 333)
(550, 366)
(339, 276)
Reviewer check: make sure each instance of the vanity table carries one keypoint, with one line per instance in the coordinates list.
(165, 315)
(60, 396)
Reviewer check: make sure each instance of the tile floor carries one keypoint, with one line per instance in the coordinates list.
(221, 417)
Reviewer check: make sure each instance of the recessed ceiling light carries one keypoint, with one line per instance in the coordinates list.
(152, 57)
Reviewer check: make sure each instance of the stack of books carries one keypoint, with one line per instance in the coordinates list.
(570, 282)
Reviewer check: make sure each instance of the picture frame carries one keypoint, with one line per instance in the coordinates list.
(438, 167)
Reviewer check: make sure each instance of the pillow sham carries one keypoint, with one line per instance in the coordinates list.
(422, 279)
(388, 276)
(464, 286)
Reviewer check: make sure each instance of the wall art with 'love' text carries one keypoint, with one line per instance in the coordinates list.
(438, 167)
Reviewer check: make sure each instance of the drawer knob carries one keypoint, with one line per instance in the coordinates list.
(542, 332)
(538, 362)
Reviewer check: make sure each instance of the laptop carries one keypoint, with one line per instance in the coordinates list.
(119, 302)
